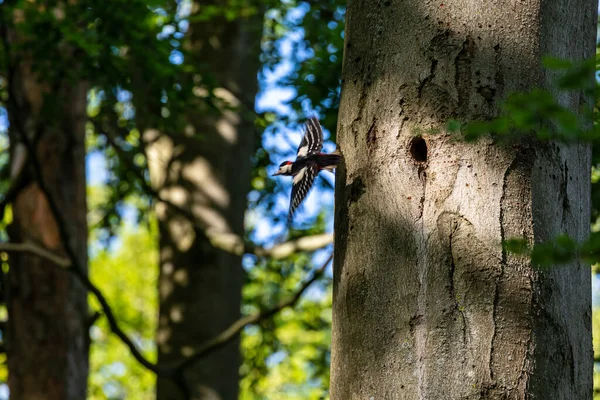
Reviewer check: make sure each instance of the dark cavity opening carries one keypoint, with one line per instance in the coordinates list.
(418, 149)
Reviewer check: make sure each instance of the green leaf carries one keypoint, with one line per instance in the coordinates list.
(453, 126)
(476, 129)
(560, 250)
(516, 246)
(556, 63)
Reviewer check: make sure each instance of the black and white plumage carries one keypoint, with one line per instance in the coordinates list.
(309, 161)
(312, 142)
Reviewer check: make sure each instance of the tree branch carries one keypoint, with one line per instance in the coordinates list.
(18, 181)
(77, 269)
(232, 243)
(74, 266)
(234, 329)
(17, 184)
(204, 349)
(39, 251)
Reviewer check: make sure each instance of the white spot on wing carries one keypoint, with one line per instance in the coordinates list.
(302, 183)
(303, 151)
(312, 142)
(298, 177)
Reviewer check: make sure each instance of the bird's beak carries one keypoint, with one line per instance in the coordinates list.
(276, 173)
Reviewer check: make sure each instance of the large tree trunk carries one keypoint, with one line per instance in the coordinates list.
(206, 170)
(427, 304)
(47, 338)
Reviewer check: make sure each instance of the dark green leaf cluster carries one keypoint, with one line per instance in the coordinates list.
(544, 114)
(559, 250)
(123, 50)
(290, 353)
(547, 115)
(316, 58)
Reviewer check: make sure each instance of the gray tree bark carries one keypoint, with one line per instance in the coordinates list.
(200, 285)
(427, 304)
(47, 330)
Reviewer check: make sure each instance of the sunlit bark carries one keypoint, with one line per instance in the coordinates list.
(427, 304)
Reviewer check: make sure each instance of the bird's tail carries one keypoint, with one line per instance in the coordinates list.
(329, 161)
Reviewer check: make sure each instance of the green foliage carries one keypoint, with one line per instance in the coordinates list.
(128, 277)
(288, 356)
(299, 367)
(228, 9)
(516, 246)
(596, 343)
(542, 113)
(315, 31)
(545, 115)
(559, 250)
(316, 58)
(123, 49)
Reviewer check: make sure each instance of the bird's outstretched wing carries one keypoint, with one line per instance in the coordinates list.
(303, 180)
(312, 142)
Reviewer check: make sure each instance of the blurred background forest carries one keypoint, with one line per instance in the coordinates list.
(182, 72)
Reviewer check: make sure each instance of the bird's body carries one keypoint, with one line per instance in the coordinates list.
(321, 160)
(309, 162)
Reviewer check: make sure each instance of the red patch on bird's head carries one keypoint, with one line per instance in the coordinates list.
(285, 163)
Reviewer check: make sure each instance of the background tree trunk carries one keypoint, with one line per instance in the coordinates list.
(207, 170)
(427, 305)
(47, 338)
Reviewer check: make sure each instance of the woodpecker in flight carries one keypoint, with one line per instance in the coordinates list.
(309, 161)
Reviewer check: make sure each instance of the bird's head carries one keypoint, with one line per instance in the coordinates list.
(285, 168)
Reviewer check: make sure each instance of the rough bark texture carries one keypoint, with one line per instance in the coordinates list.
(200, 286)
(47, 338)
(427, 305)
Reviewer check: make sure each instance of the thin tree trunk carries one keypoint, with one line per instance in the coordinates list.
(47, 338)
(427, 304)
(206, 169)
